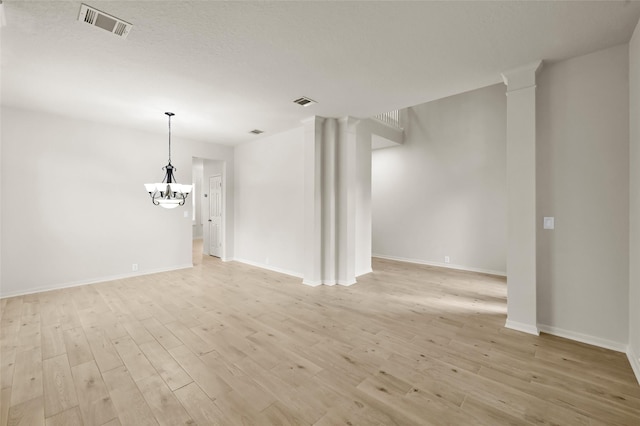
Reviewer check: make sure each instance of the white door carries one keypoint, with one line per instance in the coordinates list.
(215, 216)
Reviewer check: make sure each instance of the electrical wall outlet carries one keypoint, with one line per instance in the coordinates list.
(447, 259)
(134, 267)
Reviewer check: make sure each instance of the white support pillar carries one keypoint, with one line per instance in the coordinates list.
(331, 204)
(521, 198)
(313, 200)
(347, 200)
(329, 201)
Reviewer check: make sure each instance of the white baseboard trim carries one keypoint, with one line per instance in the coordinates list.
(442, 265)
(294, 274)
(584, 338)
(634, 360)
(93, 281)
(520, 326)
(330, 283)
(269, 267)
(366, 271)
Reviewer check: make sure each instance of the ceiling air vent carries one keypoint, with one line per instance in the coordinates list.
(304, 101)
(105, 21)
(256, 131)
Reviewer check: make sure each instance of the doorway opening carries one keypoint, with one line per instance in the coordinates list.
(208, 230)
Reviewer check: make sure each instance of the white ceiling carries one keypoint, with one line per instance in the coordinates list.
(226, 68)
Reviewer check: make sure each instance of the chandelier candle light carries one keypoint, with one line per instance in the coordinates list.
(169, 193)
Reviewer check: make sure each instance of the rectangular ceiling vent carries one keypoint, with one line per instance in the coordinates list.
(304, 101)
(105, 21)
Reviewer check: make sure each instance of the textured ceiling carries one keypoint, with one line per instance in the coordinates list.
(226, 68)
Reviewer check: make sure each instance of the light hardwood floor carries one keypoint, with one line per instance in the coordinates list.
(225, 343)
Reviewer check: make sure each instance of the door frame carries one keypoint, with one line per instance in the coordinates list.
(204, 204)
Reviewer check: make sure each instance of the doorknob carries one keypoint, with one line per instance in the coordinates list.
(209, 220)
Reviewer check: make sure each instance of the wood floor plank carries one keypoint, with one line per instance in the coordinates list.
(59, 390)
(27, 413)
(167, 409)
(27, 377)
(52, 341)
(12, 309)
(7, 366)
(278, 414)
(49, 310)
(423, 380)
(367, 413)
(138, 365)
(229, 345)
(240, 382)
(5, 403)
(208, 380)
(70, 417)
(199, 406)
(29, 336)
(69, 318)
(130, 405)
(161, 333)
(290, 396)
(167, 367)
(9, 331)
(104, 353)
(112, 328)
(137, 332)
(238, 410)
(78, 349)
(487, 413)
(340, 415)
(189, 338)
(94, 400)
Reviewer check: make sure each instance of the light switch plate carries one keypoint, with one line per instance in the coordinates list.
(548, 223)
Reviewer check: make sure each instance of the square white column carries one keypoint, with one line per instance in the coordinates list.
(521, 198)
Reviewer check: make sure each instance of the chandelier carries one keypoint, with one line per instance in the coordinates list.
(169, 193)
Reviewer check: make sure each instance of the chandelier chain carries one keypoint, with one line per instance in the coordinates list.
(169, 114)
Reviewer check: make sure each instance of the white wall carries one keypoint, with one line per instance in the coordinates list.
(634, 211)
(583, 181)
(363, 199)
(74, 208)
(269, 202)
(443, 192)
